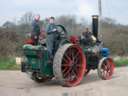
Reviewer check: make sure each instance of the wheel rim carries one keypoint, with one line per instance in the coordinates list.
(107, 69)
(73, 66)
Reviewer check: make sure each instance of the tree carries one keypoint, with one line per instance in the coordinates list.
(27, 18)
(71, 24)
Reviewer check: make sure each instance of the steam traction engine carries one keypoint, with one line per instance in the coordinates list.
(72, 59)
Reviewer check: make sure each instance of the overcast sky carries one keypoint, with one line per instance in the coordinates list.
(13, 9)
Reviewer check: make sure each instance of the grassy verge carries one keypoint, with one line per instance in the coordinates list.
(121, 62)
(8, 64)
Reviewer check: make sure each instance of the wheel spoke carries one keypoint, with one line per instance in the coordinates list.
(76, 71)
(66, 65)
(67, 72)
(76, 61)
(68, 76)
(107, 74)
(75, 57)
(104, 74)
(64, 69)
(65, 60)
(73, 54)
(74, 74)
(66, 55)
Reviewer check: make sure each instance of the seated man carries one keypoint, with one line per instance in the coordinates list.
(87, 38)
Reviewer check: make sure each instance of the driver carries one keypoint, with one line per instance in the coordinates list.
(51, 35)
(87, 37)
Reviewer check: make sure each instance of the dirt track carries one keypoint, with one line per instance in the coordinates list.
(15, 83)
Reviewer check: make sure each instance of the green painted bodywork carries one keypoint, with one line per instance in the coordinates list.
(85, 50)
(37, 60)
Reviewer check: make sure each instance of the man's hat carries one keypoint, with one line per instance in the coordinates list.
(37, 17)
(52, 17)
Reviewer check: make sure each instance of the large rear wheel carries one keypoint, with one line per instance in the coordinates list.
(69, 65)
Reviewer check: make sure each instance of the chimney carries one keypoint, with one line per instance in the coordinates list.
(95, 23)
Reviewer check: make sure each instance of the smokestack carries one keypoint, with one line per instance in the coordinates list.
(95, 23)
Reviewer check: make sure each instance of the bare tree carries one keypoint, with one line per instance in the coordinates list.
(71, 24)
(26, 18)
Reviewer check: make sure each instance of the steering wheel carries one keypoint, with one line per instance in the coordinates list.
(62, 30)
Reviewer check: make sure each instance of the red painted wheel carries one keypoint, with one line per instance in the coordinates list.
(69, 65)
(106, 68)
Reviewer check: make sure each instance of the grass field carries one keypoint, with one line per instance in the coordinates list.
(121, 62)
(10, 64)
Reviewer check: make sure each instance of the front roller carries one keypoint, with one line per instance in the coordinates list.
(69, 65)
(106, 68)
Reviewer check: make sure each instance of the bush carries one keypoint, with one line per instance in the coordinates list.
(10, 43)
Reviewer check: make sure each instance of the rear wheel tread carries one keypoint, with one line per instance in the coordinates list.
(58, 62)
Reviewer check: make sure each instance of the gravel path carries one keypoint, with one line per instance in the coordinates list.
(15, 83)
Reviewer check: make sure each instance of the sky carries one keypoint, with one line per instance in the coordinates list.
(12, 10)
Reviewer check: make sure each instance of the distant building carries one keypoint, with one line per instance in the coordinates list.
(8, 24)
